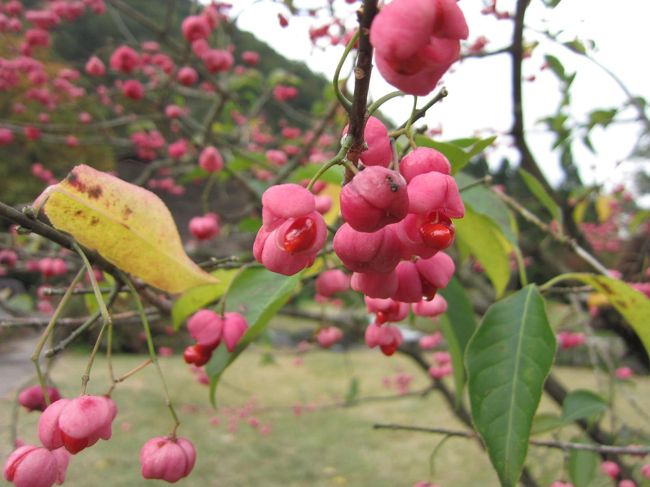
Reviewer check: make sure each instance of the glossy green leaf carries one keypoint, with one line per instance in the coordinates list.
(459, 152)
(458, 325)
(353, 391)
(200, 297)
(541, 194)
(507, 361)
(258, 294)
(333, 175)
(484, 201)
(582, 466)
(545, 422)
(582, 404)
(487, 244)
(632, 304)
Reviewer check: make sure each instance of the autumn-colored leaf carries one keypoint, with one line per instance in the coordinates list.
(126, 224)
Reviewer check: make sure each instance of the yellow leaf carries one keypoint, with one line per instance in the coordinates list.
(126, 224)
(604, 208)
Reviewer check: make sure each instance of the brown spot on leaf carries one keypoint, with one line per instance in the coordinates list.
(95, 192)
(126, 212)
(94, 220)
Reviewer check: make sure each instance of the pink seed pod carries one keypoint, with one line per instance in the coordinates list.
(436, 270)
(435, 191)
(32, 466)
(195, 27)
(124, 59)
(234, 328)
(217, 60)
(328, 336)
(32, 398)
(374, 198)
(95, 67)
(611, 469)
(76, 423)
(623, 373)
(428, 342)
(187, 76)
(367, 252)
(284, 201)
(250, 57)
(438, 372)
(276, 157)
(167, 458)
(431, 308)
(204, 227)
(331, 282)
(626, 483)
(206, 327)
(645, 471)
(412, 52)
(210, 160)
(375, 285)
(387, 309)
(379, 151)
(133, 89)
(421, 161)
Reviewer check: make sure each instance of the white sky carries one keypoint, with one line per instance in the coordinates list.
(480, 89)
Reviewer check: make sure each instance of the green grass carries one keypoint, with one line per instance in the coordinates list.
(324, 447)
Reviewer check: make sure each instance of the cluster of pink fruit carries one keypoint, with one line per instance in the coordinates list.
(209, 329)
(396, 224)
(68, 426)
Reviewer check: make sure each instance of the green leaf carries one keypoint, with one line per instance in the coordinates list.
(459, 151)
(542, 196)
(545, 422)
(576, 46)
(200, 297)
(484, 201)
(333, 175)
(258, 294)
(602, 117)
(251, 225)
(487, 243)
(458, 325)
(556, 66)
(582, 466)
(582, 404)
(507, 361)
(632, 304)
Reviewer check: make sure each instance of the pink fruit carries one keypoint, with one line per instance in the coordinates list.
(195, 27)
(435, 192)
(167, 458)
(367, 252)
(428, 342)
(124, 59)
(412, 52)
(210, 159)
(379, 151)
(374, 198)
(187, 76)
(95, 66)
(438, 372)
(206, 327)
(133, 89)
(217, 60)
(32, 398)
(433, 307)
(234, 327)
(331, 282)
(197, 354)
(6, 136)
(250, 57)
(421, 161)
(32, 466)
(205, 227)
(292, 232)
(328, 336)
(374, 284)
(623, 373)
(611, 469)
(387, 310)
(76, 423)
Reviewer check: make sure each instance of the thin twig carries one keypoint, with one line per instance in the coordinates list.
(561, 445)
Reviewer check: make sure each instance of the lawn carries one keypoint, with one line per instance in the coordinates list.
(321, 446)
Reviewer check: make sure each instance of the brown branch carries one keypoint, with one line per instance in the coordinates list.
(561, 445)
(125, 318)
(50, 233)
(362, 72)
